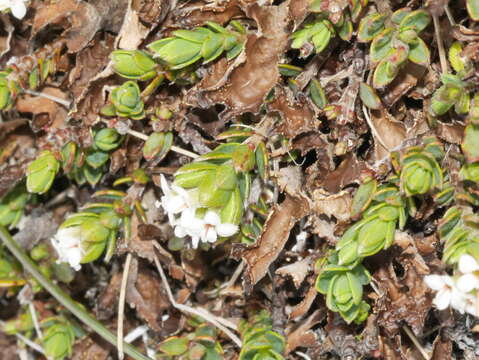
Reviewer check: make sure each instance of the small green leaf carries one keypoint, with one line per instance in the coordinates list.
(174, 346)
(369, 97)
(457, 62)
(473, 9)
(381, 45)
(469, 143)
(384, 74)
(370, 26)
(317, 94)
(417, 20)
(419, 53)
(399, 15)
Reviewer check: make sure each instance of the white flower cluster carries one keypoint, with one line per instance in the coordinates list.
(67, 243)
(17, 7)
(460, 292)
(181, 208)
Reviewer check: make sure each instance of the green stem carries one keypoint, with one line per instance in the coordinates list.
(63, 298)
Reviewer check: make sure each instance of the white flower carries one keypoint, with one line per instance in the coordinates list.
(213, 227)
(447, 292)
(67, 243)
(17, 7)
(189, 225)
(470, 269)
(175, 199)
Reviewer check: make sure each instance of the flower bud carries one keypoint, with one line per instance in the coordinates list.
(58, 340)
(12, 205)
(40, 252)
(157, 145)
(41, 172)
(107, 139)
(134, 64)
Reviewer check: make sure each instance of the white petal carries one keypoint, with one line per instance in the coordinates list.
(180, 232)
(467, 283)
(226, 229)
(174, 204)
(180, 191)
(467, 264)
(458, 300)
(194, 241)
(210, 235)
(435, 282)
(212, 218)
(19, 9)
(442, 299)
(164, 185)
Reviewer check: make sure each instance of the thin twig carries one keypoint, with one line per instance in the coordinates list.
(62, 297)
(33, 313)
(30, 343)
(174, 148)
(63, 102)
(239, 269)
(449, 15)
(207, 316)
(440, 45)
(415, 341)
(121, 307)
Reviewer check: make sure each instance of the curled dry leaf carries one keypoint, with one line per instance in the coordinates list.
(196, 13)
(249, 83)
(296, 271)
(47, 113)
(297, 116)
(303, 307)
(403, 83)
(303, 336)
(403, 299)
(337, 205)
(90, 61)
(275, 234)
(348, 172)
(441, 348)
(84, 19)
(145, 293)
(389, 133)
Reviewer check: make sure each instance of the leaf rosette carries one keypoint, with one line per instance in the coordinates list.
(127, 102)
(420, 172)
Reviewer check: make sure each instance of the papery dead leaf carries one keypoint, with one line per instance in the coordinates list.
(249, 83)
(303, 336)
(337, 205)
(38, 106)
(275, 234)
(296, 271)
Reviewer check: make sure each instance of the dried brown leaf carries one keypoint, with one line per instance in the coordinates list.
(337, 205)
(250, 82)
(38, 106)
(89, 62)
(403, 298)
(303, 307)
(391, 132)
(146, 295)
(348, 172)
(275, 234)
(296, 271)
(303, 336)
(297, 115)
